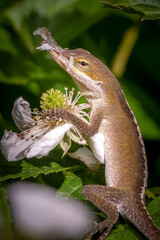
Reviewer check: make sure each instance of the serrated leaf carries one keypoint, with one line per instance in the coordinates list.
(148, 9)
(26, 170)
(71, 187)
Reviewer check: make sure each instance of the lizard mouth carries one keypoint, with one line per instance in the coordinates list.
(57, 53)
(65, 58)
(48, 42)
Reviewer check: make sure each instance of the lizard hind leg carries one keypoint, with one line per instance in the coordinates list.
(98, 196)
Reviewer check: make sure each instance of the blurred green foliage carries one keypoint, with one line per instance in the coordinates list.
(127, 45)
(147, 9)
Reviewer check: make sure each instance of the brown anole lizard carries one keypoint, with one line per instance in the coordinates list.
(125, 158)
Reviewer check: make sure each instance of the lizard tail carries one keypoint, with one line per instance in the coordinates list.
(140, 217)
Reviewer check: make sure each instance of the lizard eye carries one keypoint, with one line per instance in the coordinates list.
(83, 63)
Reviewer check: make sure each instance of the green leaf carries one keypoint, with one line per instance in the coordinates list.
(5, 42)
(123, 232)
(148, 9)
(26, 169)
(154, 210)
(155, 190)
(5, 226)
(150, 194)
(71, 187)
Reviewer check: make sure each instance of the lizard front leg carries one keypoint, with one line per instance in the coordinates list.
(89, 129)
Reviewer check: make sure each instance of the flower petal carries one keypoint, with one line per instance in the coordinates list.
(37, 211)
(86, 156)
(76, 136)
(65, 144)
(21, 113)
(47, 142)
(96, 143)
(13, 147)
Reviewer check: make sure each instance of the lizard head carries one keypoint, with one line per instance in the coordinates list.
(88, 72)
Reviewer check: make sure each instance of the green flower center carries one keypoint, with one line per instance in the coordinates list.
(53, 99)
